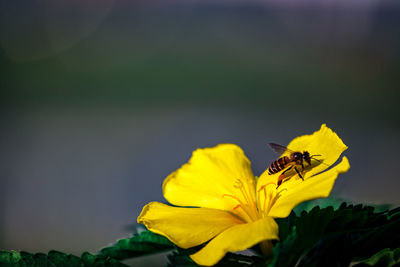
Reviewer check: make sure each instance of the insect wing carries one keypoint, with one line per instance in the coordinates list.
(279, 149)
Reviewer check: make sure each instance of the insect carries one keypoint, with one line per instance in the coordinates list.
(294, 161)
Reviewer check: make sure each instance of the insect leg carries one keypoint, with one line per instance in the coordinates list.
(318, 160)
(282, 176)
(301, 176)
(288, 169)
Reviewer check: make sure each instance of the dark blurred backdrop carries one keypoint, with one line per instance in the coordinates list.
(101, 100)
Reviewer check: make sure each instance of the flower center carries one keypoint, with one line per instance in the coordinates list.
(252, 205)
(246, 199)
(266, 197)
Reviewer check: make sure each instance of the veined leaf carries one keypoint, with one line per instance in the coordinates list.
(56, 259)
(384, 258)
(138, 245)
(335, 203)
(324, 236)
(180, 258)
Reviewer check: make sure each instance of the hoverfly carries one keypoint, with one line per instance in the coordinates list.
(294, 161)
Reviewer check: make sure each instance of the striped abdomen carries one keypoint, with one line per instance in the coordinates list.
(278, 165)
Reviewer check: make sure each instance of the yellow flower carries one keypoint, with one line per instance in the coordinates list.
(234, 210)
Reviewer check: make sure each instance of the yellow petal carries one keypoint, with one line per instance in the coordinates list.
(208, 180)
(323, 142)
(186, 227)
(236, 238)
(297, 191)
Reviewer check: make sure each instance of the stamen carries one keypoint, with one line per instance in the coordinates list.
(244, 193)
(252, 186)
(235, 198)
(265, 200)
(246, 199)
(263, 188)
(252, 190)
(271, 193)
(275, 198)
(240, 205)
(238, 184)
(270, 198)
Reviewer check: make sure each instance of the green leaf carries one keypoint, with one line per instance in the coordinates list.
(55, 258)
(321, 202)
(334, 250)
(333, 202)
(180, 258)
(328, 236)
(384, 258)
(308, 228)
(318, 237)
(286, 225)
(141, 244)
(370, 241)
(138, 245)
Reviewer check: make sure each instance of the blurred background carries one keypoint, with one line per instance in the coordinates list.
(101, 100)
